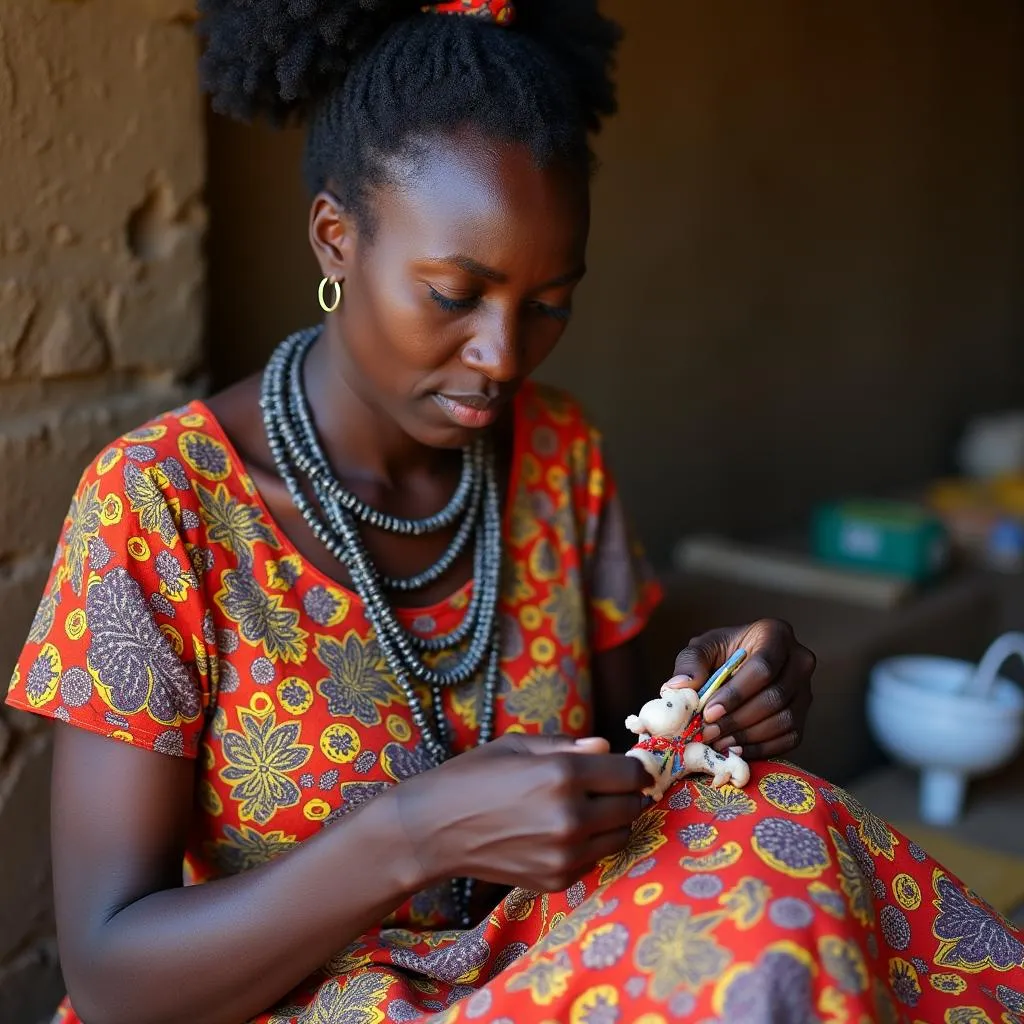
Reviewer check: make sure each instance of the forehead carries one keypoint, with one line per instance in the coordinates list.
(489, 200)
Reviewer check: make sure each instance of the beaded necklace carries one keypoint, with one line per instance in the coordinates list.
(475, 644)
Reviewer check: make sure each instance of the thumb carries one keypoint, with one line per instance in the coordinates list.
(521, 743)
(695, 662)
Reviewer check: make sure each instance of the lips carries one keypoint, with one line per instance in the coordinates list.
(472, 411)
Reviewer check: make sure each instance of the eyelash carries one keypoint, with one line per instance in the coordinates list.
(450, 305)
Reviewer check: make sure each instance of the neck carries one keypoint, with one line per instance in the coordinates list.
(360, 439)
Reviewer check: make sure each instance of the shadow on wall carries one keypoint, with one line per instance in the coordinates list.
(806, 256)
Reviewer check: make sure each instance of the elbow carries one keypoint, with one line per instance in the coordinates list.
(94, 998)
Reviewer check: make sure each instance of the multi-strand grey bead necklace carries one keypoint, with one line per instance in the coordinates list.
(474, 646)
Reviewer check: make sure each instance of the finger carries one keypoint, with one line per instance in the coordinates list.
(612, 774)
(786, 727)
(606, 844)
(521, 743)
(773, 748)
(610, 813)
(778, 691)
(680, 683)
(702, 655)
(768, 646)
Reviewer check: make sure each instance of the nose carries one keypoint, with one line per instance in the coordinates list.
(495, 350)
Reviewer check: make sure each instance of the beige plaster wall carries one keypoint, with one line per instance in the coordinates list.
(807, 256)
(101, 309)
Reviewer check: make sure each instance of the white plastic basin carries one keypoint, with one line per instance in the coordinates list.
(920, 717)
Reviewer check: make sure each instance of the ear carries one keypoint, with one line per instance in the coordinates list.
(332, 235)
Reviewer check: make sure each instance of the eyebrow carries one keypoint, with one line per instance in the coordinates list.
(478, 269)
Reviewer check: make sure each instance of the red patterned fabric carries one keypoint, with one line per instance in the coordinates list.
(179, 618)
(502, 12)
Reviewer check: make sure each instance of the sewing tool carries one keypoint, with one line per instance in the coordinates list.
(719, 678)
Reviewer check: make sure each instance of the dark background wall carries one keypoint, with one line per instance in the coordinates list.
(807, 256)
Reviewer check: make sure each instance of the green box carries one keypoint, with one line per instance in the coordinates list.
(883, 536)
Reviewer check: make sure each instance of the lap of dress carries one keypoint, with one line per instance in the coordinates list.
(786, 901)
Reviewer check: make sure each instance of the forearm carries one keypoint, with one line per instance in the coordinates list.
(222, 952)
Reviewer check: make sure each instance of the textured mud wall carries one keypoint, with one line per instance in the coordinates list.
(101, 304)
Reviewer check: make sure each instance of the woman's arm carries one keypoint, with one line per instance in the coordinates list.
(138, 948)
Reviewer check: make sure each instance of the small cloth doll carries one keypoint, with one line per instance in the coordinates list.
(671, 744)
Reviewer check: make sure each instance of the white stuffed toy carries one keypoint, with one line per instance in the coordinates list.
(668, 747)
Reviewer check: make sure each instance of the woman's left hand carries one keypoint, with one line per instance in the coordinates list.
(763, 707)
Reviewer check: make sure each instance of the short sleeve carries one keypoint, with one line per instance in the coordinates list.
(622, 588)
(121, 642)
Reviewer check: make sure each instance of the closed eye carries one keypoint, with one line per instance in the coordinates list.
(562, 313)
(450, 305)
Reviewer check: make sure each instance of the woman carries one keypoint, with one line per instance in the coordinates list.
(359, 568)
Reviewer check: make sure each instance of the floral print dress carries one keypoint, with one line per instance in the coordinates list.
(179, 618)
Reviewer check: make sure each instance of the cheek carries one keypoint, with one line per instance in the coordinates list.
(392, 335)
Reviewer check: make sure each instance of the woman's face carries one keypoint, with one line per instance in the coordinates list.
(464, 287)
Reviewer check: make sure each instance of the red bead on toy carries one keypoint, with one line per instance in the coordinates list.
(501, 12)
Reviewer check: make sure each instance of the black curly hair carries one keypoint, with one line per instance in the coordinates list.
(369, 77)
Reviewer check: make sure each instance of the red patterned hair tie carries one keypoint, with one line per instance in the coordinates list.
(501, 12)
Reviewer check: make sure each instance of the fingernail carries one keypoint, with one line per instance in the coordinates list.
(714, 713)
(736, 750)
(726, 743)
(678, 682)
(711, 733)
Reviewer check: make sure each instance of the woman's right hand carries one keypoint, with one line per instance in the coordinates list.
(536, 812)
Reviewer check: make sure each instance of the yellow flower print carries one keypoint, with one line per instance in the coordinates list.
(144, 434)
(208, 457)
(173, 638)
(284, 573)
(546, 980)
(725, 803)
(542, 650)
(564, 607)
(192, 419)
(75, 624)
(399, 728)
(789, 847)
(724, 857)
(232, 524)
(952, 984)
(967, 1015)
(339, 743)
(295, 695)
(112, 510)
(261, 619)
(260, 759)
(844, 962)
(358, 683)
(851, 881)
(108, 460)
(679, 951)
(316, 810)
(43, 677)
(545, 561)
(156, 512)
(906, 891)
(245, 848)
(530, 617)
(597, 1003)
(209, 799)
(138, 549)
(787, 792)
(83, 526)
(904, 982)
(647, 894)
(539, 699)
(647, 837)
(745, 903)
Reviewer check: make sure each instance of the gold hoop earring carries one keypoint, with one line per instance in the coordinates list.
(337, 295)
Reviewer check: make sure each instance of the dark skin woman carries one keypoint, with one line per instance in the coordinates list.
(450, 222)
